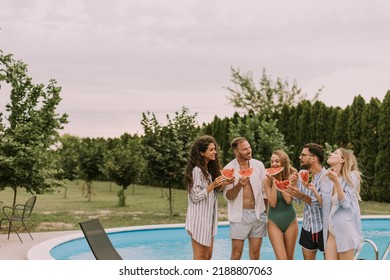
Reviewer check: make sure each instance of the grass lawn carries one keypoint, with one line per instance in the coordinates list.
(147, 205)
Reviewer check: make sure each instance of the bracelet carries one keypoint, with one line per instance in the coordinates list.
(303, 195)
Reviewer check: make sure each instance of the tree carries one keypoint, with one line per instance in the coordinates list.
(301, 132)
(67, 158)
(263, 136)
(369, 145)
(286, 124)
(381, 188)
(91, 159)
(219, 128)
(266, 98)
(355, 132)
(166, 148)
(319, 123)
(331, 120)
(30, 131)
(341, 127)
(124, 164)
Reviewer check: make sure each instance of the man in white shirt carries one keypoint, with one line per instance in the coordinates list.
(246, 201)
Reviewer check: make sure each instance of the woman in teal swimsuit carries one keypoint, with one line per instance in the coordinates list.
(282, 221)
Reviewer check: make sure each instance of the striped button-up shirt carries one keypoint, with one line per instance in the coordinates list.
(202, 211)
(312, 214)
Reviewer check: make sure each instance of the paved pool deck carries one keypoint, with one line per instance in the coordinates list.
(13, 249)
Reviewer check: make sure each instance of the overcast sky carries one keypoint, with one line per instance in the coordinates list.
(116, 59)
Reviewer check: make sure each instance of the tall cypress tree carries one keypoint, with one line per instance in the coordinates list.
(381, 188)
(330, 124)
(319, 118)
(340, 131)
(355, 132)
(219, 129)
(302, 135)
(370, 149)
(303, 126)
(286, 123)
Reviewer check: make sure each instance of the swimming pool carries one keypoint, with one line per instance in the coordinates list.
(172, 243)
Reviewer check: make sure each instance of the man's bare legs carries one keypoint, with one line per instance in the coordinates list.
(254, 248)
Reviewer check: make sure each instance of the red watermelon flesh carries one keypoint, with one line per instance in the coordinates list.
(227, 173)
(274, 170)
(304, 175)
(282, 185)
(246, 172)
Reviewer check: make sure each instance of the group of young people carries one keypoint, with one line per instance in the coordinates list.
(331, 220)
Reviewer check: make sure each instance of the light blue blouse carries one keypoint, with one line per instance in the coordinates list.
(346, 217)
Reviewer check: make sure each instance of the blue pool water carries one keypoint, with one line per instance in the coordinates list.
(174, 244)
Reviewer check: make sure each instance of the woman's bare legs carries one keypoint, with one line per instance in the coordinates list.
(201, 252)
(347, 255)
(331, 249)
(283, 244)
(290, 239)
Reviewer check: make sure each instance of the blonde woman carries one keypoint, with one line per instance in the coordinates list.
(342, 228)
(282, 220)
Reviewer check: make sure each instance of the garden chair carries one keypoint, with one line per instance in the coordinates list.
(19, 213)
(98, 240)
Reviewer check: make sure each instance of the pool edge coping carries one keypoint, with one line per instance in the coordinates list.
(41, 251)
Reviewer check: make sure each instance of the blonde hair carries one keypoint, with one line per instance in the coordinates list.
(350, 167)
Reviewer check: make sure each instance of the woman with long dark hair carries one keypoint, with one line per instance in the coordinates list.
(203, 181)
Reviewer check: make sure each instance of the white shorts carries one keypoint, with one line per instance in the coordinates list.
(249, 226)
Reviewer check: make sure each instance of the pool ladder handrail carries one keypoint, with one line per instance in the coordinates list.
(373, 245)
(386, 252)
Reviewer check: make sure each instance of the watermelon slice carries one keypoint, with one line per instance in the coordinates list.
(227, 173)
(246, 172)
(272, 171)
(282, 185)
(304, 176)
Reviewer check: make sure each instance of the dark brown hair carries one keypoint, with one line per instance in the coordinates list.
(196, 159)
(316, 150)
